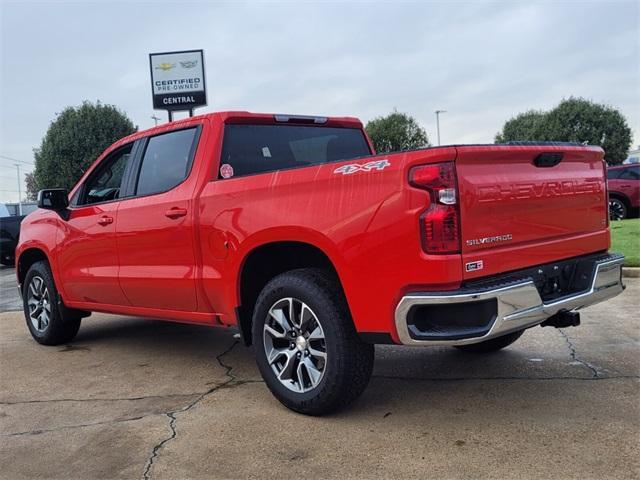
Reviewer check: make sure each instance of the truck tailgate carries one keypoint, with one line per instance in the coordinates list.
(527, 205)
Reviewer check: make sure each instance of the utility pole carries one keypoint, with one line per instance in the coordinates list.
(438, 112)
(19, 191)
(155, 119)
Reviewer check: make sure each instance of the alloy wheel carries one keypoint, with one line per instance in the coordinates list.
(39, 304)
(294, 344)
(617, 210)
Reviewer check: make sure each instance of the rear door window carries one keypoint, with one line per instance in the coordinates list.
(250, 149)
(166, 161)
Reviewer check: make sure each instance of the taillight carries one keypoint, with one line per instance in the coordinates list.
(440, 223)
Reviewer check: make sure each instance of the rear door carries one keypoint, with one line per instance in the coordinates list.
(87, 255)
(155, 228)
(627, 182)
(527, 205)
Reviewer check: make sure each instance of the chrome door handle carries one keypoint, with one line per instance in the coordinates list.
(104, 220)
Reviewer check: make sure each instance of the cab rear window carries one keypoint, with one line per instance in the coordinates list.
(251, 149)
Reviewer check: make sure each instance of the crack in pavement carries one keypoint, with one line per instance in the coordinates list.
(98, 399)
(172, 415)
(238, 383)
(82, 425)
(232, 381)
(574, 356)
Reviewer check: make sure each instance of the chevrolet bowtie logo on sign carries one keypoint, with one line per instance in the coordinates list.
(177, 80)
(165, 66)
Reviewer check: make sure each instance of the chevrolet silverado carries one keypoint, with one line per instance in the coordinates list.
(292, 229)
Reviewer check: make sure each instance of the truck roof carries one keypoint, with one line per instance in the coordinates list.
(239, 117)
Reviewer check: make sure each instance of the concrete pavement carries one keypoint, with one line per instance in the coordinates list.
(134, 398)
(9, 295)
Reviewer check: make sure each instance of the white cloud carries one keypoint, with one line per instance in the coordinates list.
(482, 62)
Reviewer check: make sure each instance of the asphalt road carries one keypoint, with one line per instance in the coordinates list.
(134, 398)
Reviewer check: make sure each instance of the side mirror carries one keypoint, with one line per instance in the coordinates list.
(56, 199)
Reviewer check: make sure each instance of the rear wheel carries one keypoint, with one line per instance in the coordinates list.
(49, 322)
(617, 209)
(306, 345)
(492, 345)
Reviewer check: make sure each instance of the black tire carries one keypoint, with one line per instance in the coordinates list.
(349, 362)
(492, 345)
(63, 324)
(618, 209)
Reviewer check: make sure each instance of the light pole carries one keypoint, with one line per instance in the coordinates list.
(19, 191)
(155, 119)
(438, 112)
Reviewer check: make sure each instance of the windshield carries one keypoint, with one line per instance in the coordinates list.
(4, 212)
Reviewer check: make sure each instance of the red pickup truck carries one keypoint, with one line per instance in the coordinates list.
(292, 229)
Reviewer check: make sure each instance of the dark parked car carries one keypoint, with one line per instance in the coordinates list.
(9, 233)
(624, 191)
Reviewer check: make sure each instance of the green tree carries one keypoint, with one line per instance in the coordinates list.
(573, 120)
(395, 132)
(32, 190)
(525, 127)
(73, 141)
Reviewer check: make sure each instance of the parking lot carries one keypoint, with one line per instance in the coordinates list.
(9, 298)
(137, 398)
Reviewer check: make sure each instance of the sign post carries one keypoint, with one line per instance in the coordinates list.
(177, 81)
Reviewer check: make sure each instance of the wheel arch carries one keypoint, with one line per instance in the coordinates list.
(622, 197)
(268, 260)
(28, 257)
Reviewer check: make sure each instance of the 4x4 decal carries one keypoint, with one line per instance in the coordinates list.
(358, 167)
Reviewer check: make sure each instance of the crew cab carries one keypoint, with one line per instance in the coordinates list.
(293, 230)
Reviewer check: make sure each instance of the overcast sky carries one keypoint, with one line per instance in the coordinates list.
(482, 62)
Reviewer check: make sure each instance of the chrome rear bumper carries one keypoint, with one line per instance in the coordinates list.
(519, 304)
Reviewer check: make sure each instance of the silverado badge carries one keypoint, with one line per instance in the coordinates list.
(488, 240)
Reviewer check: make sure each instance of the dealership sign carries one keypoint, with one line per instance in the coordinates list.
(177, 80)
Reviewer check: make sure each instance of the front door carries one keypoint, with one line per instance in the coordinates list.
(87, 255)
(155, 228)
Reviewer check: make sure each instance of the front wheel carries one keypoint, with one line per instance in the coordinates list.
(49, 322)
(305, 343)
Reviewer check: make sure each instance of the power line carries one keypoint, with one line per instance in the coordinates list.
(10, 166)
(16, 160)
